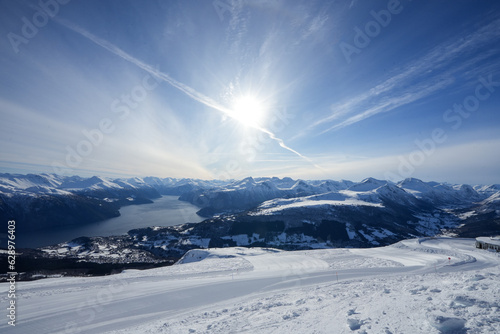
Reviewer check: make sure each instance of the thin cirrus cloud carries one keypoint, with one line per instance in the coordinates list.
(284, 54)
(180, 86)
(417, 93)
(400, 89)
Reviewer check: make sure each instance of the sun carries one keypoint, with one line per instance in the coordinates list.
(249, 110)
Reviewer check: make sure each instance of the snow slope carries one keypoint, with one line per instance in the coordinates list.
(327, 199)
(408, 287)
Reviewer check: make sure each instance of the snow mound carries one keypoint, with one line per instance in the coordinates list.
(261, 259)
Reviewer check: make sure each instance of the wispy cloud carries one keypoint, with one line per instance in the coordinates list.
(431, 73)
(192, 93)
(148, 68)
(313, 26)
(394, 102)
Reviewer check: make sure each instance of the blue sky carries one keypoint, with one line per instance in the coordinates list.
(229, 89)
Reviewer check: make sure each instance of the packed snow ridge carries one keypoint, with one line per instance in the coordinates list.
(428, 285)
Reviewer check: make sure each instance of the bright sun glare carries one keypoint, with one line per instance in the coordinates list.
(249, 110)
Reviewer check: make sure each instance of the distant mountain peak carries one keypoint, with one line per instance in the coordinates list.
(367, 184)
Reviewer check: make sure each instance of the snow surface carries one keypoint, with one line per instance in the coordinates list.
(432, 285)
(328, 199)
(491, 241)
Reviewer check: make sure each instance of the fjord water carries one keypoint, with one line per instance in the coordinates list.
(165, 211)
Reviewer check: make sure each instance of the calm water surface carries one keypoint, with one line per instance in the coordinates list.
(165, 211)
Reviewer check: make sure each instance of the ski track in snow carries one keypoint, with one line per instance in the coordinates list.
(409, 287)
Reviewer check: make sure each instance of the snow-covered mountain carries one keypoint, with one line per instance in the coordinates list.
(443, 194)
(47, 200)
(248, 193)
(412, 207)
(50, 183)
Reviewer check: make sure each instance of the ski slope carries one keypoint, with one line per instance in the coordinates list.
(437, 285)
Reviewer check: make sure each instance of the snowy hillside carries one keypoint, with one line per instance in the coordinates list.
(437, 205)
(433, 285)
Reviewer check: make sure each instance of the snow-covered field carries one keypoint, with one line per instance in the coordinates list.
(436, 285)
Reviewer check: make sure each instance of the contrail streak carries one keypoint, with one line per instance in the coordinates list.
(179, 85)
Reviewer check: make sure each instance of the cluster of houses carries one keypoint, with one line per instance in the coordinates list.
(488, 243)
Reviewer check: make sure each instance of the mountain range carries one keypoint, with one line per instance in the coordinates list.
(253, 212)
(370, 210)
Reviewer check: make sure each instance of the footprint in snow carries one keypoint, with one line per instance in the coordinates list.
(447, 325)
(355, 324)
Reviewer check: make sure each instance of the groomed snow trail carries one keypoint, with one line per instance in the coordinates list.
(272, 291)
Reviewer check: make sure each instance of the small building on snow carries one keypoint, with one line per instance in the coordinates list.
(488, 243)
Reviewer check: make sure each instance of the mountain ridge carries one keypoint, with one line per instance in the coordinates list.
(67, 200)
